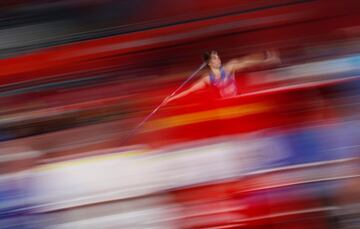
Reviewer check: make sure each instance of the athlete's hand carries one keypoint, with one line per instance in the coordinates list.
(272, 57)
(167, 100)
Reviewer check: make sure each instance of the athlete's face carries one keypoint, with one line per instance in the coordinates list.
(215, 61)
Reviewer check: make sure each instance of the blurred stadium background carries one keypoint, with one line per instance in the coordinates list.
(77, 76)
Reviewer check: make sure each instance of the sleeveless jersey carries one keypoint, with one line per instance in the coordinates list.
(226, 84)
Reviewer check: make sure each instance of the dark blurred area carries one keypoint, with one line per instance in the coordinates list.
(77, 77)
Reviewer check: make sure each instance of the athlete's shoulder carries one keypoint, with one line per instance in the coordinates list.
(205, 78)
(228, 68)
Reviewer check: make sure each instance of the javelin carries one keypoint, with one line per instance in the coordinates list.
(134, 130)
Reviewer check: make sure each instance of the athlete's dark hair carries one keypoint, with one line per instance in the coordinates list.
(207, 55)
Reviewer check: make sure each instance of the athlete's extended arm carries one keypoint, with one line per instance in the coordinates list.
(253, 60)
(200, 84)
